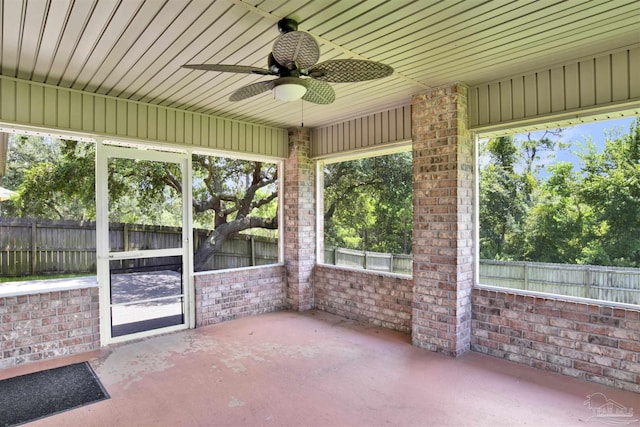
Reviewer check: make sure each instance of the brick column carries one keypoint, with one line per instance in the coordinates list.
(443, 220)
(299, 220)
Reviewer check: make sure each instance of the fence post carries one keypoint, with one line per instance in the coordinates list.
(34, 248)
(125, 237)
(391, 264)
(252, 250)
(587, 284)
(526, 276)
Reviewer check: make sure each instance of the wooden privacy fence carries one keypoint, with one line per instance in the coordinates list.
(586, 281)
(40, 247)
(43, 247)
(377, 261)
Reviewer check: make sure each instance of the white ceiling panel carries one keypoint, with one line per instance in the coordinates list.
(134, 49)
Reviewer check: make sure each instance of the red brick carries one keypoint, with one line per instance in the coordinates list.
(242, 293)
(620, 375)
(68, 310)
(68, 326)
(574, 315)
(44, 330)
(619, 312)
(499, 338)
(588, 367)
(632, 315)
(630, 366)
(592, 329)
(562, 323)
(630, 345)
(534, 336)
(561, 342)
(629, 324)
(55, 336)
(600, 340)
(23, 342)
(16, 317)
(597, 350)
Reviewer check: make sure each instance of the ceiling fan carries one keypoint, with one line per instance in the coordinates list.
(293, 61)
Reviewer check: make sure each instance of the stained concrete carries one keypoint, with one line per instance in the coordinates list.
(316, 369)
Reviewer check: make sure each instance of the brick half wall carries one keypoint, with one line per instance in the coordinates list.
(230, 294)
(582, 340)
(368, 297)
(47, 325)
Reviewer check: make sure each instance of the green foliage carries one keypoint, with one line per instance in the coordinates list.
(611, 184)
(502, 204)
(368, 203)
(227, 189)
(503, 152)
(141, 192)
(585, 216)
(56, 180)
(53, 179)
(25, 151)
(501, 211)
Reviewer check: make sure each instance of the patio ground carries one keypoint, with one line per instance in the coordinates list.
(316, 369)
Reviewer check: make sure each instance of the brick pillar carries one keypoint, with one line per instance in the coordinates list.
(443, 220)
(299, 220)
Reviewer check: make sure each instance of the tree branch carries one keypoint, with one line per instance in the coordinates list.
(264, 201)
(171, 180)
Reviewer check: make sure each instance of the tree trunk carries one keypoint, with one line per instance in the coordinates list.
(207, 250)
(214, 241)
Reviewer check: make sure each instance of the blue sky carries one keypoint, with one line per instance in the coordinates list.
(598, 130)
(578, 136)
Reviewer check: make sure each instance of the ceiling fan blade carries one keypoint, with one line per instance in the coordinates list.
(298, 47)
(228, 68)
(349, 70)
(319, 92)
(251, 90)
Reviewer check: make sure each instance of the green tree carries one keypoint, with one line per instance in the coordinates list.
(586, 215)
(531, 151)
(54, 179)
(611, 186)
(509, 189)
(368, 203)
(57, 181)
(237, 195)
(558, 223)
(502, 205)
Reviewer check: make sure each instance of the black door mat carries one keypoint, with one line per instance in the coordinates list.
(41, 394)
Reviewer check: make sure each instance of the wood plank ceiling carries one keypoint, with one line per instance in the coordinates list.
(133, 49)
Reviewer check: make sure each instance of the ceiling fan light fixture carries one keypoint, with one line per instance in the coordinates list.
(289, 88)
(295, 54)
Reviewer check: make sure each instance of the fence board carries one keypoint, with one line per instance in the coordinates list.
(70, 246)
(586, 281)
(376, 261)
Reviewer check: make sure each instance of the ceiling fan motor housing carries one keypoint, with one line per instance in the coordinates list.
(281, 69)
(286, 25)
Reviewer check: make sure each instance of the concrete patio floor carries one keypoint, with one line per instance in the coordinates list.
(316, 369)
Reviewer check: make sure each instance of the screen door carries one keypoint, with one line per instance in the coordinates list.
(143, 242)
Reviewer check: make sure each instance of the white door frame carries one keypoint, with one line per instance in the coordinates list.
(140, 152)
